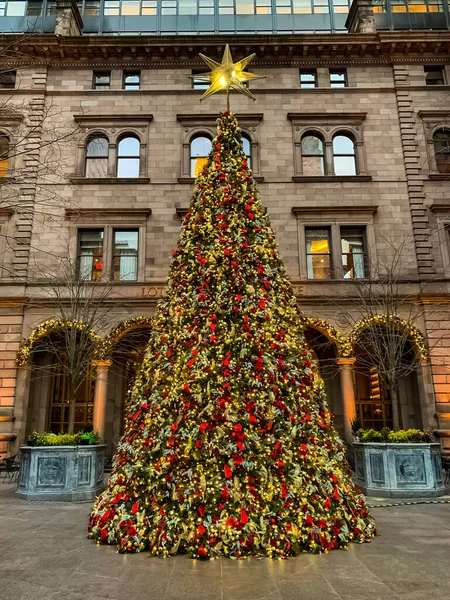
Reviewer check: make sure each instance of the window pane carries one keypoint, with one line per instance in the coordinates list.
(308, 79)
(434, 75)
(8, 79)
(247, 149)
(129, 147)
(131, 81)
(344, 165)
(343, 145)
(125, 255)
(90, 258)
(312, 144)
(313, 165)
(34, 8)
(130, 7)
(198, 84)
(98, 147)
(442, 151)
(200, 146)
(4, 148)
(318, 253)
(197, 165)
(338, 78)
(102, 81)
(244, 7)
(96, 167)
(16, 9)
(353, 252)
(128, 167)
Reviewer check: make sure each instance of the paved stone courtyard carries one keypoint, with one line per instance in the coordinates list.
(45, 555)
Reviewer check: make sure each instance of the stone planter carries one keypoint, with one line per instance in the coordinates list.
(65, 473)
(398, 470)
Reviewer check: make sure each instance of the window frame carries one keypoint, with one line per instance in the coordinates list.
(197, 136)
(318, 135)
(109, 220)
(329, 254)
(14, 81)
(332, 71)
(79, 255)
(353, 155)
(114, 255)
(327, 126)
(335, 218)
(130, 73)
(191, 125)
(96, 74)
(136, 157)
(445, 130)
(313, 72)
(364, 252)
(6, 169)
(87, 158)
(434, 69)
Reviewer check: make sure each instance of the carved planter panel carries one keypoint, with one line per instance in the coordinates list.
(67, 473)
(398, 470)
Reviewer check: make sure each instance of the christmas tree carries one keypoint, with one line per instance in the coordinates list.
(229, 447)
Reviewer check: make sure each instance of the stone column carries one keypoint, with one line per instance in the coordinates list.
(100, 395)
(348, 394)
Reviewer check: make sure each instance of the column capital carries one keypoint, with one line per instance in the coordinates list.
(346, 360)
(102, 363)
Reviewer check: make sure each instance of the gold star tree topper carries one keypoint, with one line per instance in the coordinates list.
(227, 75)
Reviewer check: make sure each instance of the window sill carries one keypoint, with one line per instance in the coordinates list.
(439, 176)
(109, 180)
(191, 180)
(330, 178)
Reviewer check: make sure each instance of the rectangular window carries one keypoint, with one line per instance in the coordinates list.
(7, 80)
(125, 255)
(101, 80)
(149, 7)
(34, 8)
(130, 7)
(318, 253)
(16, 9)
(308, 78)
(199, 84)
(131, 80)
(112, 8)
(434, 75)
(90, 253)
(353, 249)
(168, 7)
(338, 78)
(263, 7)
(206, 7)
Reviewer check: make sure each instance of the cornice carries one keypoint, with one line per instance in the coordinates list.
(326, 116)
(196, 118)
(440, 208)
(107, 118)
(271, 50)
(314, 210)
(83, 212)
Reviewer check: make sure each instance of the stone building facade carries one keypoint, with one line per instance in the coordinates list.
(349, 140)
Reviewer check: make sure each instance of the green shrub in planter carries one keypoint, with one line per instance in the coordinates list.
(403, 436)
(65, 439)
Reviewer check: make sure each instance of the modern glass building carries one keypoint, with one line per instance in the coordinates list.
(197, 17)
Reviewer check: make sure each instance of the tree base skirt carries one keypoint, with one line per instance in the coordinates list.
(61, 473)
(399, 470)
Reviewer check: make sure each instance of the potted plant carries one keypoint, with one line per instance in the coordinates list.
(64, 466)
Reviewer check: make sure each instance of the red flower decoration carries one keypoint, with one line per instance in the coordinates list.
(135, 508)
(228, 472)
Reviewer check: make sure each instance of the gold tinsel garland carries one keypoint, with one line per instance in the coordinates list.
(106, 345)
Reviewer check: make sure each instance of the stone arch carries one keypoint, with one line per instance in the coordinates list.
(41, 331)
(119, 331)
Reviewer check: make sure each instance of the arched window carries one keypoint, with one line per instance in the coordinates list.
(97, 157)
(129, 157)
(344, 156)
(199, 149)
(4, 151)
(441, 141)
(313, 157)
(247, 147)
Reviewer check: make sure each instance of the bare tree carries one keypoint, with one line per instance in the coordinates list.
(387, 305)
(81, 307)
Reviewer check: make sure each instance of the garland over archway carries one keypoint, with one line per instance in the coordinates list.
(327, 329)
(415, 336)
(45, 329)
(116, 334)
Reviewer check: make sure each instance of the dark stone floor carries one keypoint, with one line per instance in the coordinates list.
(45, 555)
